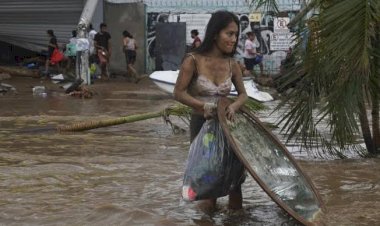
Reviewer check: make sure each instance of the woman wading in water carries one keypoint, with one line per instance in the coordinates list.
(129, 48)
(207, 74)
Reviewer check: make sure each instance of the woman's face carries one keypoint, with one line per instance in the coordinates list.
(226, 39)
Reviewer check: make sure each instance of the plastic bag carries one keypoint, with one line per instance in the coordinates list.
(82, 44)
(71, 50)
(56, 57)
(212, 169)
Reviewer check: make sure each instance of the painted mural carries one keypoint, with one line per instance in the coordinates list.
(264, 30)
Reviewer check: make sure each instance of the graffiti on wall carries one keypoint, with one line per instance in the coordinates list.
(264, 30)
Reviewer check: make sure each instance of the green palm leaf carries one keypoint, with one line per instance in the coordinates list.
(338, 70)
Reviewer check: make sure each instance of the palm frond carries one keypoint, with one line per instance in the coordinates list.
(332, 69)
(178, 110)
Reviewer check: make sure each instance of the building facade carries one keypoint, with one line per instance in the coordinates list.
(272, 42)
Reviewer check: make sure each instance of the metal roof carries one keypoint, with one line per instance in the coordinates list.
(24, 22)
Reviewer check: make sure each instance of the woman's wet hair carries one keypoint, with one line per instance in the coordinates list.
(218, 21)
(194, 32)
(250, 33)
(127, 34)
(50, 32)
(74, 33)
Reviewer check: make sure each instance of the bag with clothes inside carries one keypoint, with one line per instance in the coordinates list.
(212, 169)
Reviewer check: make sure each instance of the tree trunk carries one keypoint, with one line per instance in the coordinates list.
(375, 96)
(366, 129)
(375, 125)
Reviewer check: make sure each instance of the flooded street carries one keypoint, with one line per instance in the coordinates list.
(131, 174)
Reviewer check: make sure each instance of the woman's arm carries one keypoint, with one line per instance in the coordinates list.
(197, 44)
(242, 94)
(53, 42)
(185, 76)
(109, 48)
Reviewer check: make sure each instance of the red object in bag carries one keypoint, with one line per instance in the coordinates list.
(56, 57)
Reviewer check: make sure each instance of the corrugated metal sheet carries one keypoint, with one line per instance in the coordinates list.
(24, 22)
(207, 6)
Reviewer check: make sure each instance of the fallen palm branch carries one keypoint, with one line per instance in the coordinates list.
(178, 110)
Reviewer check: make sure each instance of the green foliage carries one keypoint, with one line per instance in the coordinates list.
(337, 68)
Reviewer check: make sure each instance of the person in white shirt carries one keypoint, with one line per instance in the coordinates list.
(91, 36)
(251, 56)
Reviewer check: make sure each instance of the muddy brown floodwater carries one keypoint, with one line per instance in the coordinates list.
(131, 174)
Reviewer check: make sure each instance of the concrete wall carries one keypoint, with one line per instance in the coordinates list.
(97, 18)
(207, 6)
(130, 17)
(170, 45)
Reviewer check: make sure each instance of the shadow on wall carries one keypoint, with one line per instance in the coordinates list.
(10, 54)
(170, 45)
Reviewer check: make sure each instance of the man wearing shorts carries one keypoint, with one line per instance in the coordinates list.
(102, 43)
(251, 56)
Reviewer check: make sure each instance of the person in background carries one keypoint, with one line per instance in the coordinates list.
(129, 48)
(53, 44)
(102, 44)
(74, 38)
(91, 37)
(71, 49)
(206, 75)
(197, 41)
(251, 56)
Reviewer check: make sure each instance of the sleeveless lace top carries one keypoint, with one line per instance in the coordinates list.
(206, 89)
(131, 44)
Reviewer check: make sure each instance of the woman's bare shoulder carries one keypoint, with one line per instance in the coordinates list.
(189, 61)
